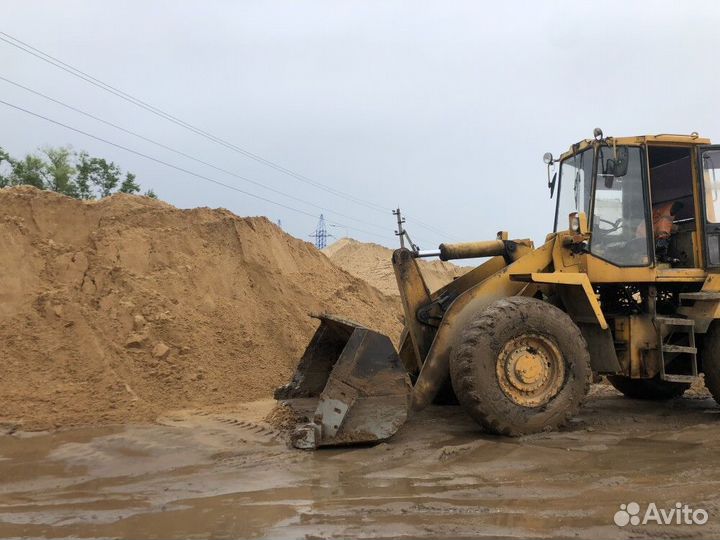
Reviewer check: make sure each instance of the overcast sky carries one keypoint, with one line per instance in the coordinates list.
(442, 108)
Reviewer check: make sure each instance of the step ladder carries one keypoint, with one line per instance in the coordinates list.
(700, 296)
(677, 325)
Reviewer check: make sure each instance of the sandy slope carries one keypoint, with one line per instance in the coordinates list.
(372, 263)
(122, 308)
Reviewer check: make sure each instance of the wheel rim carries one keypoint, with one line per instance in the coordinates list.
(530, 370)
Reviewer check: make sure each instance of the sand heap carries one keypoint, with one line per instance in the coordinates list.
(372, 263)
(122, 308)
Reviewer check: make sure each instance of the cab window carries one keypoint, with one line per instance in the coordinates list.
(711, 189)
(574, 188)
(711, 181)
(619, 223)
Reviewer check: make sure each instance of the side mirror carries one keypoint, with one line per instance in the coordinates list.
(551, 184)
(549, 160)
(618, 165)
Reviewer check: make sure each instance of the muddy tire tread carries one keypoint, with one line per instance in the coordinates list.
(483, 329)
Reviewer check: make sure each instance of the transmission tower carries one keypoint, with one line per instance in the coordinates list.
(321, 235)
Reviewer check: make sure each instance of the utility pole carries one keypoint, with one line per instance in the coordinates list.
(402, 233)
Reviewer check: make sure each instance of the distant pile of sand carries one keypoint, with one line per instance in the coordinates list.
(122, 308)
(372, 263)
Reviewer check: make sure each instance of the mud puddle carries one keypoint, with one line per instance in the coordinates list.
(227, 475)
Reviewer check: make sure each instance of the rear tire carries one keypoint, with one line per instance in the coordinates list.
(650, 389)
(521, 366)
(710, 358)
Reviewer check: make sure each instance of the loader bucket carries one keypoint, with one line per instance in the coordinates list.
(349, 387)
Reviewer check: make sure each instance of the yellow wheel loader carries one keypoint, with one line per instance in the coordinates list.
(627, 285)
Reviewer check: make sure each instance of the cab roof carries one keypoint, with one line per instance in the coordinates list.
(662, 138)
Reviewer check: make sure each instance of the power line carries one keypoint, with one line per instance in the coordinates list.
(25, 47)
(181, 169)
(169, 117)
(184, 154)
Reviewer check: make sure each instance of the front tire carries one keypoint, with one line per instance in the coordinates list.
(521, 366)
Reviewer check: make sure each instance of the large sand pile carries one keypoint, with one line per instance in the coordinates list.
(120, 309)
(372, 263)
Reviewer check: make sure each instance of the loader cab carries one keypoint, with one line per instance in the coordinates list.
(651, 201)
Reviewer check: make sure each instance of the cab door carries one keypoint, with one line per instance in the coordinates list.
(709, 169)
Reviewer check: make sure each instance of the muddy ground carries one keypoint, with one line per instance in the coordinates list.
(227, 474)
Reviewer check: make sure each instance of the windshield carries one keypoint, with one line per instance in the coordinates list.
(574, 188)
(619, 224)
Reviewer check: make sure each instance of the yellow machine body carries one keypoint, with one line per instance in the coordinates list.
(636, 302)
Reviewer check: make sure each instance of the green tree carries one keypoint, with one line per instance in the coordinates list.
(76, 174)
(4, 157)
(129, 185)
(30, 171)
(60, 172)
(82, 181)
(98, 172)
(84, 172)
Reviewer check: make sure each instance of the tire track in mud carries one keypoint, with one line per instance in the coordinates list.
(210, 473)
